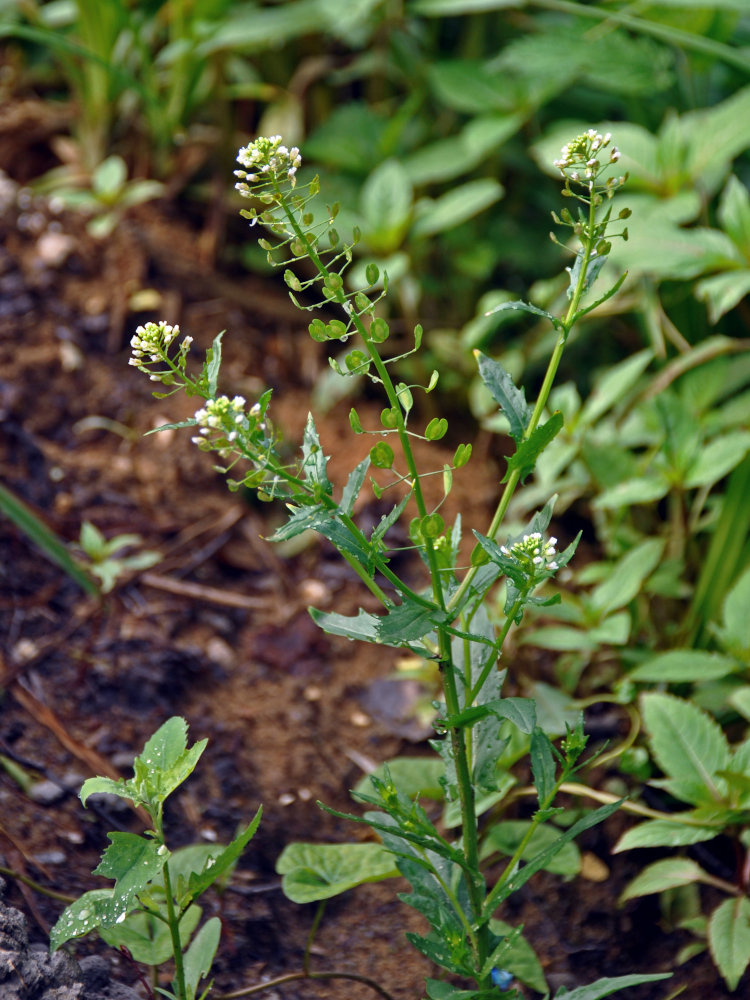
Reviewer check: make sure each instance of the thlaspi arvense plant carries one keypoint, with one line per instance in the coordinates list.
(446, 620)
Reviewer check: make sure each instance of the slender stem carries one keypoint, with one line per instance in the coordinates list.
(174, 933)
(294, 977)
(311, 936)
(549, 378)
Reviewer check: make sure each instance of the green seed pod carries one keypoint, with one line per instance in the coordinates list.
(389, 418)
(436, 429)
(372, 273)
(318, 331)
(379, 330)
(381, 455)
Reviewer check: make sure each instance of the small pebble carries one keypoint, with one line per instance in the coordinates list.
(45, 792)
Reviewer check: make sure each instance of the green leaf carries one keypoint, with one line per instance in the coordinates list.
(645, 489)
(81, 917)
(505, 393)
(446, 159)
(734, 213)
(663, 833)
(353, 486)
(613, 385)
(522, 875)
(408, 622)
(213, 365)
(133, 862)
(314, 461)
(520, 306)
(386, 203)
(606, 987)
(51, 545)
(542, 765)
(729, 938)
(165, 761)
(521, 958)
(688, 746)
(625, 580)
(507, 835)
(529, 449)
(107, 786)
(717, 458)
(455, 206)
(667, 874)
(199, 957)
(736, 631)
(467, 85)
(362, 626)
(223, 862)
(318, 871)
(722, 292)
(680, 666)
(147, 937)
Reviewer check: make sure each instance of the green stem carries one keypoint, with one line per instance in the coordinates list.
(536, 416)
(294, 977)
(311, 936)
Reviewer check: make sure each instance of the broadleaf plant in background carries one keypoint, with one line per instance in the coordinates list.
(444, 620)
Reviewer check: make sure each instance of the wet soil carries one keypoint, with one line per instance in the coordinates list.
(218, 630)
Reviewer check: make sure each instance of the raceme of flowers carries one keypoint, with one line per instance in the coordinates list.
(150, 345)
(580, 161)
(266, 159)
(534, 556)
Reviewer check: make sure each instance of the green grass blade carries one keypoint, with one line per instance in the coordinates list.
(53, 547)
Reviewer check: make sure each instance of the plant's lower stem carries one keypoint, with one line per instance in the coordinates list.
(174, 933)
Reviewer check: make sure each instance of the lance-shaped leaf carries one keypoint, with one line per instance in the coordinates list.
(506, 394)
(222, 863)
(314, 461)
(606, 987)
(213, 365)
(520, 306)
(353, 486)
(363, 625)
(524, 459)
(200, 955)
(729, 938)
(667, 874)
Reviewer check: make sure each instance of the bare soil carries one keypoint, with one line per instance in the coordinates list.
(218, 631)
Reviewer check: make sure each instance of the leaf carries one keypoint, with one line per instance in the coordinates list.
(362, 626)
(81, 917)
(521, 306)
(447, 159)
(386, 204)
(734, 213)
(625, 580)
(729, 938)
(613, 386)
(507, 835)
(688, 746)
(645, 489)
(522, 875)
(722, 292)
(521, 959)
(318, 871)
(199, 957)
(606, 987)
(663, 833)
(313, 460)
(147, 938)
(528, 450)
(221, 863)
(735, 615)
(667, 874)
(505, 393)
(717, 458)
(455, 206)
(132, 861)
(165, 761)
(213, 365)
(542, 765)
(408, 622)
(680, 666)
(353, 486)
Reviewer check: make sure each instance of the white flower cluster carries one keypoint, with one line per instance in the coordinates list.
(579, 159)
(151, 342)
(223, 420)
(266, 159)
(533, 554)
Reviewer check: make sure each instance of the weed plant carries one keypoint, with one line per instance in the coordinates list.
(445, 622)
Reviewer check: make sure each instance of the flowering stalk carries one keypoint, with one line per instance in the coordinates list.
(446, 622)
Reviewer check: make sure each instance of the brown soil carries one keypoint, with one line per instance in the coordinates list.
(218, 631)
